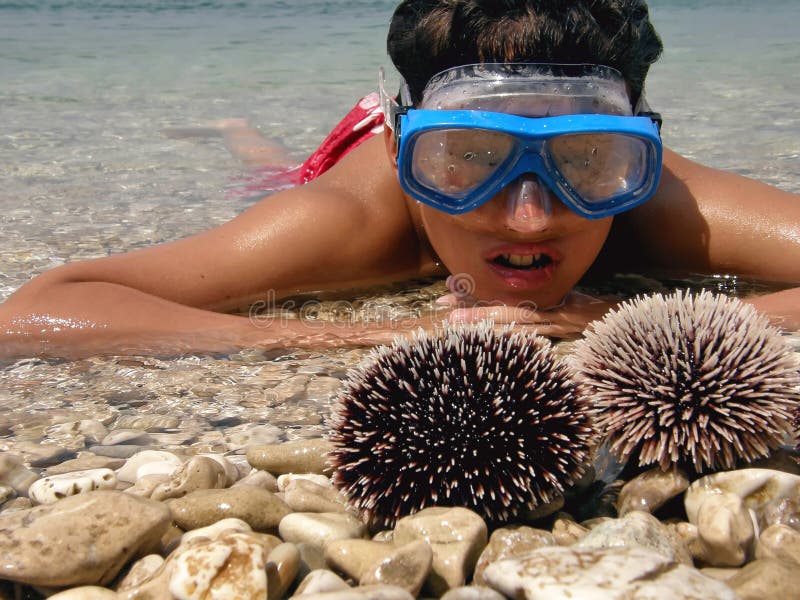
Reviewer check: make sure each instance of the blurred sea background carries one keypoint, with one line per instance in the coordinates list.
(87, 88)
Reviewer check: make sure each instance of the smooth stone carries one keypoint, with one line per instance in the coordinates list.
(17, 504)
(784, 511)
(637, 528)
(132, 437)
(231, 472)
(650, 490)
(319, 529)
(557, 572)
(261, 509)
(258, 435)
(232, 566)
(567, 531)
(720, 573)
(287, 478)
(510, 542)
(199, 473)
(385, 536)
(7, 493)
(781, 542)
(43, 455)
(354, 557)
(158, 467)
(123, 451)
(756, 488)
(725, 532)
(473, 592)
(85, 463)
(366, 592)
(145, 485)
(149, 423)
(532, 515)
(14, 474)
(55, 487)
(456, 535)
(312, 558)
(282, 565)
(260, 479)
(320, 581)
(91, 430)
(142, 570)
(86, 592)
(766, 579)
(134, 466)
(407, 567)
(215, 530)
(301, 456)
(98, 532)
(307, 496)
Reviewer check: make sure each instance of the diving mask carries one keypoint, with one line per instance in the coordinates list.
(480, 128)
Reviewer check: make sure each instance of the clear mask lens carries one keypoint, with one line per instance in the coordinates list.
(600, 166)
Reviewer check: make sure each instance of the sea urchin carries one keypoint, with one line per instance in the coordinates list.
(701, 380)
(467, 416)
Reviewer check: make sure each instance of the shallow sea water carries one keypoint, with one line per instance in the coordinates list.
(88, 87)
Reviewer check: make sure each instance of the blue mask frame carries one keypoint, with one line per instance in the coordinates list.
(528, 156)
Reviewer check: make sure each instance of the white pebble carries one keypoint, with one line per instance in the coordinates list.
(50, 489)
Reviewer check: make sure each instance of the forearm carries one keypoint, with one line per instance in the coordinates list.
(782, 308)
(72, 320)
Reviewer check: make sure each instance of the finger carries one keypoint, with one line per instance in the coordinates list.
(498, 314)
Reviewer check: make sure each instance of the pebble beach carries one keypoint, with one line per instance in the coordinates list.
(200, 477)
(123, 521)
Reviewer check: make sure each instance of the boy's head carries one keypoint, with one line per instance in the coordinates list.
(429, 36)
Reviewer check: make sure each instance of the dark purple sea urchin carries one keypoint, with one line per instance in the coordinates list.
(464, 417)
(702, 380)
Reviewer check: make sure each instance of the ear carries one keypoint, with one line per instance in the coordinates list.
(391, 147)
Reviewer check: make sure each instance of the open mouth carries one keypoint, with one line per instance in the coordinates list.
(523, 262)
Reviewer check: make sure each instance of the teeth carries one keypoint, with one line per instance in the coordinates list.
(521, 260)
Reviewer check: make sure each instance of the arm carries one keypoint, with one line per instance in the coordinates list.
(704, 220)
(326, 234)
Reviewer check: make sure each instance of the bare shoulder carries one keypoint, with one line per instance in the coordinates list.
(707, 220)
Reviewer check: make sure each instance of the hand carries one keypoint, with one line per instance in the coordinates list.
(569, 319)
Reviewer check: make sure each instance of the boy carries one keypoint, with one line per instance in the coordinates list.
(521, 215)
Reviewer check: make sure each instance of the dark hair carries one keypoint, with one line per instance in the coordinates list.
(429, 36)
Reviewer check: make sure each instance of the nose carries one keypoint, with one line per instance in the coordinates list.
(528, 204)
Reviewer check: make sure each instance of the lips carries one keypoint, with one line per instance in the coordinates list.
(523, 265)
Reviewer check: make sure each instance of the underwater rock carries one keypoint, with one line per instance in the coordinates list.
(97, 533)
(650, 490)
(756, 487)
(456, 535)
(725, 531)
(407, 567)
(320, 581)
(283, 563)
(306, 496)
(766, 579)
(199, 473)
(637, 528)
(319, 529)
(148, 462)
(301, 456)
(55, 487)
(354, 556)
(126, 437)
(608, 574)
(510, 542)
(260, 509)
(86, 592)
(14, 474)
(85, 462)
(781, 542)
(472, 592)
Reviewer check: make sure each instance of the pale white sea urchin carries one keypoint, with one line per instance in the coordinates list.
(701, 379)
(467, 416)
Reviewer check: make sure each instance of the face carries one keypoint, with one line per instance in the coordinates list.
(515, 252)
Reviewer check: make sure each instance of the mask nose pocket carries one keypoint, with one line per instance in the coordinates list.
(528, 203)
